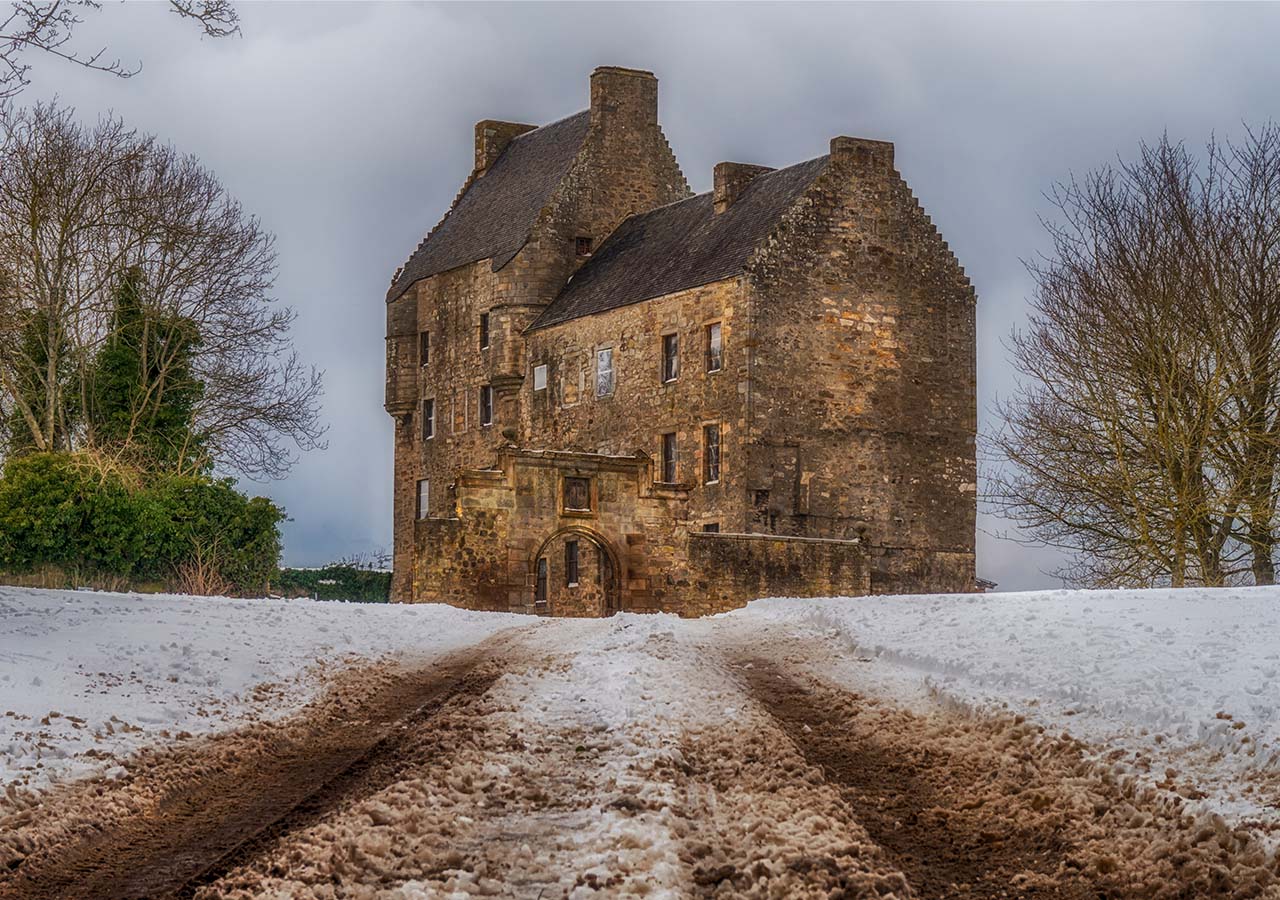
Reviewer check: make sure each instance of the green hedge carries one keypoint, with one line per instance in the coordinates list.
(61, 510)
(336, 582)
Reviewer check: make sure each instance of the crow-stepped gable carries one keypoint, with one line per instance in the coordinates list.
(611, 395)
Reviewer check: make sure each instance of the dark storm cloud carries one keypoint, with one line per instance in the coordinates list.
(347, 128)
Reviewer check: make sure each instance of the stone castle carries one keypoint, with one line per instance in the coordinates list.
(609, 394)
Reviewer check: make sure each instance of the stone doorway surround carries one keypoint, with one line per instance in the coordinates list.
(597, 591)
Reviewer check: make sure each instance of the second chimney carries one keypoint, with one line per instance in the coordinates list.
(492, 138)
(731, 179)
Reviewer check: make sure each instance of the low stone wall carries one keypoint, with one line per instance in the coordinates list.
(728, 570)
(906, 570)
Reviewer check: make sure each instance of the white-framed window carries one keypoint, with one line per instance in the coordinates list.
(540, 377)
(604, 372)
(668, 473)
(711, 454)
(428, 419)
(670, 357)
(715, 348)
(424, 498)
(486, 404)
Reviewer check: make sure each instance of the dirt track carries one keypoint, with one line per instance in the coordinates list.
(239, 803)
(498, 772)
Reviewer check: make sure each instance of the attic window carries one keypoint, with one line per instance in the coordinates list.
(582, 246)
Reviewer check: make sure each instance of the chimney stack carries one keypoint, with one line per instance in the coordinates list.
(492, 138)
(862, 153)
(731, 179)
(628, 96)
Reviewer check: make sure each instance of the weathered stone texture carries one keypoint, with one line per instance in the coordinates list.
(845, 398)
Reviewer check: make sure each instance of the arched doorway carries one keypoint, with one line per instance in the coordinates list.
(575, 573)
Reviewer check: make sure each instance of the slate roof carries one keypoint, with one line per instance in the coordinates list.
(679, 246)
(495, 213)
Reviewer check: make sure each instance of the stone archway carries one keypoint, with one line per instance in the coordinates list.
(575, 573)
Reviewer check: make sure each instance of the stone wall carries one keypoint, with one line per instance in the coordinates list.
(863, 409)
(733, 569)
(568, 414)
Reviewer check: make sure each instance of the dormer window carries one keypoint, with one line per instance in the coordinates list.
(582, 246)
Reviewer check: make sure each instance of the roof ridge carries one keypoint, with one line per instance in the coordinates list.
(681, 245)
(769, 174)
(537, 128)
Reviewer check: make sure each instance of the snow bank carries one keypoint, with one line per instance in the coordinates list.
(85, 676)
(1188, 676)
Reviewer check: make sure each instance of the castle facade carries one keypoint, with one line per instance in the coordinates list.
(609, 394)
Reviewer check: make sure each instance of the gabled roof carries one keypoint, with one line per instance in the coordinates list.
(679, 246)
(495, 213)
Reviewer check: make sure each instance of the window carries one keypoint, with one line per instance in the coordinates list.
(711, 454)
(604, 372)
(484, 331)
(486, 405)
(540, 589)
(582, 246)
(670, 357)
(571, 563)
(540, 377)
(577, 493)
(668, 461)
(711, 528)
(715, 356)
(424, 497)
(424, 348)
(428, 419)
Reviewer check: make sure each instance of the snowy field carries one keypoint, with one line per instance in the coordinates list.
(792, 748)
(1187, 681)
(86, 677)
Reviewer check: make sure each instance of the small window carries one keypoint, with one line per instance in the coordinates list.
(670, 357)
(540, 377)
(424, 348)
(577, 494)
(582, 246)
(711, 454)
(668, 474)
(571, 563)
(604, 372)
(540, 587)
(711, 528)
(428, 419)
(424, 497)
(486, 405)
(484, 331)
(715, 354)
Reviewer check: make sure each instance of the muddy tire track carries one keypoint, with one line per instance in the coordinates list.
(230, 813)
(917, 802)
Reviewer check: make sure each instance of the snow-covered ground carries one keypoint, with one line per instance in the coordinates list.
(87, 677)
(1185, 683)
(1182, 680)
(792, 748)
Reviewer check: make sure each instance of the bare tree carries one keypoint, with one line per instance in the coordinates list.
(79, 207)
(49, 26)
(1144, 433)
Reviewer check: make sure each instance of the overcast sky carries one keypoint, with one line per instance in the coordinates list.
(348, 129)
